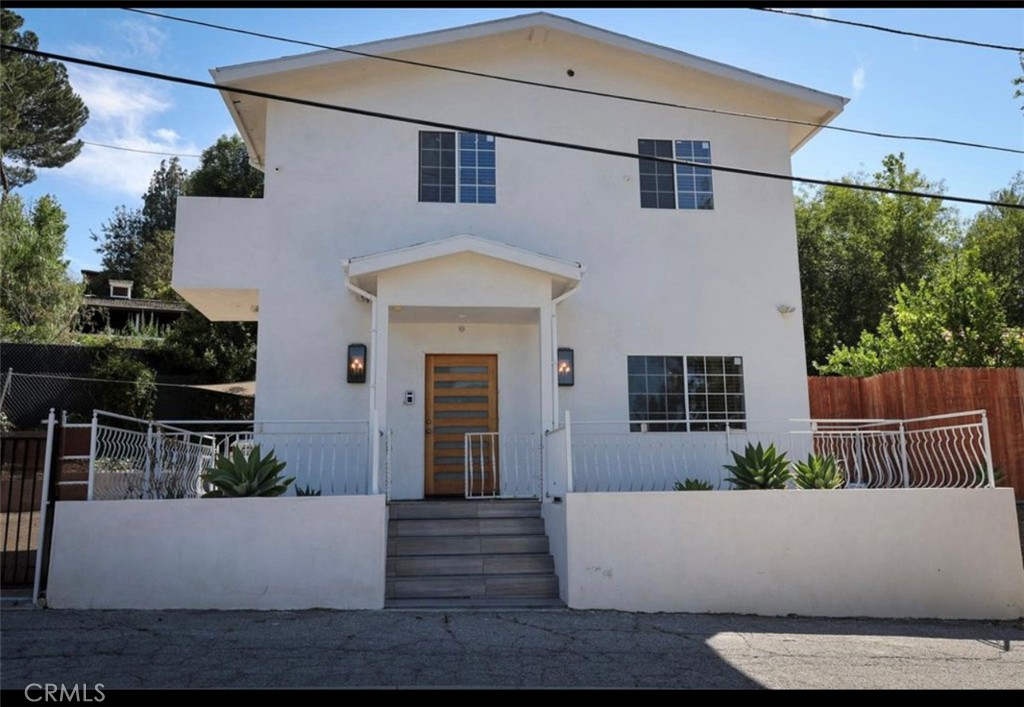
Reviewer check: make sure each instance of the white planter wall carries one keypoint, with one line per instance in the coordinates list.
(929, 553)
(239, 553)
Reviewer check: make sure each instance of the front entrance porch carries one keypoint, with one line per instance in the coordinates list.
(463, 363)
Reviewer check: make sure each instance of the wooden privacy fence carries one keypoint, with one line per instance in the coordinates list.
(920, 392)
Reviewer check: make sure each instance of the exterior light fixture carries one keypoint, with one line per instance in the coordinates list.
(357, 363)
(566, 367)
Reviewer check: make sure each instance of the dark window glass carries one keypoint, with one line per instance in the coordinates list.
(469, 174)
(657, 190)
(697, 393)
(667, 186)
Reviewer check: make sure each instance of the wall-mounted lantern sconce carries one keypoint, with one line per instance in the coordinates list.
(357, 363)
(566, 367)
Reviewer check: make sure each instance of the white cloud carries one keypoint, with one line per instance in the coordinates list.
(122, 111)
(166, 135)
(859, 80)
(143, 38)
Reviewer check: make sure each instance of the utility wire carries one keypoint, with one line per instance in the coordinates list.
(507, 136)
(569, 89)
(905, 33)
(145, 152)
(106, 380)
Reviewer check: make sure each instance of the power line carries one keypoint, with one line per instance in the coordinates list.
(569, 89)
(104, 380)
(507, 136)
(145, 152)
(906, 33)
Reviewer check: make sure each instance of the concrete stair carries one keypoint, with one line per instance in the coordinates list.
(469, 553)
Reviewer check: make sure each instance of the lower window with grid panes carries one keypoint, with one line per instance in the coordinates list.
(686, 393)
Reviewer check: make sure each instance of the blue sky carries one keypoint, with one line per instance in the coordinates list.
(896, 84)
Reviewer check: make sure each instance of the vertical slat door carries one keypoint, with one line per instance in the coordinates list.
(461, 397)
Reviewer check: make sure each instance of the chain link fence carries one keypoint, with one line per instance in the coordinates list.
(37, 377)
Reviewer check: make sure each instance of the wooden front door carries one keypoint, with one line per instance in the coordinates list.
(461, 397)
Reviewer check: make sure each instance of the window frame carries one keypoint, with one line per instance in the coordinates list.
(465, 168)
(709, 391)
(692, 188)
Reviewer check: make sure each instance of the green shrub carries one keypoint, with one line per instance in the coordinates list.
(817, 473)
(759, 468)
(693, 485)
(132, 390)
(307, 491)
(239, 475)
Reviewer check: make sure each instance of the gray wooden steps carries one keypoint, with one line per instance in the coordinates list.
(469, 553)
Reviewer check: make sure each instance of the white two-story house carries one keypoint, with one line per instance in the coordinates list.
(436, 276)
(503, 261)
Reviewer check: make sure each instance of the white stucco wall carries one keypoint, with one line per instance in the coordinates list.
(658, 282)
(244, 553)
(936, 553)
(555, 526)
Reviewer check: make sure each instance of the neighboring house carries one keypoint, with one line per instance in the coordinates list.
(465, 263)
(119, 311)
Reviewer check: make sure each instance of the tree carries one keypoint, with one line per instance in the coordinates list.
(951, 319)
(132, 390)
(153, 265)
(38, 302)
(224, 170)
(856, 248)
(40, 114)
(997, 235)
(216, 352)
(137, 244)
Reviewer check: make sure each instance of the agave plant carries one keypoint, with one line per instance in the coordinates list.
(307, 491)
(817, 473)
(693, 485)
(759, 468)
(237, 475)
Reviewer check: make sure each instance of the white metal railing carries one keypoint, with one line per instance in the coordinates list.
(149, 459)
(503, 465)
(131, 458)
(637, 456)
(326, 457)
(385, 442)
(558, 461)
(940, 451)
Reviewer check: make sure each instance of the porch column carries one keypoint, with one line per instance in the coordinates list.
(379, 362)
(548, 363)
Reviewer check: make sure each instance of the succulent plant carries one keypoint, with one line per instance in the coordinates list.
(238, 475)
(817, 473)
(307, 491)
(693, 485)
(759, 468)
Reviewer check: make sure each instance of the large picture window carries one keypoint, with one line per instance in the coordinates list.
(457, 167)
(669, 186)
(686, 393)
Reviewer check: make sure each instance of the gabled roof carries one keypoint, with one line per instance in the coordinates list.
(364, 269)
(252, 73)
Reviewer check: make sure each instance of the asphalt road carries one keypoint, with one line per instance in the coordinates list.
(500, 648)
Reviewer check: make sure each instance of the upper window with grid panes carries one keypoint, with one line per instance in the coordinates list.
(457, 167)
(675, 186)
